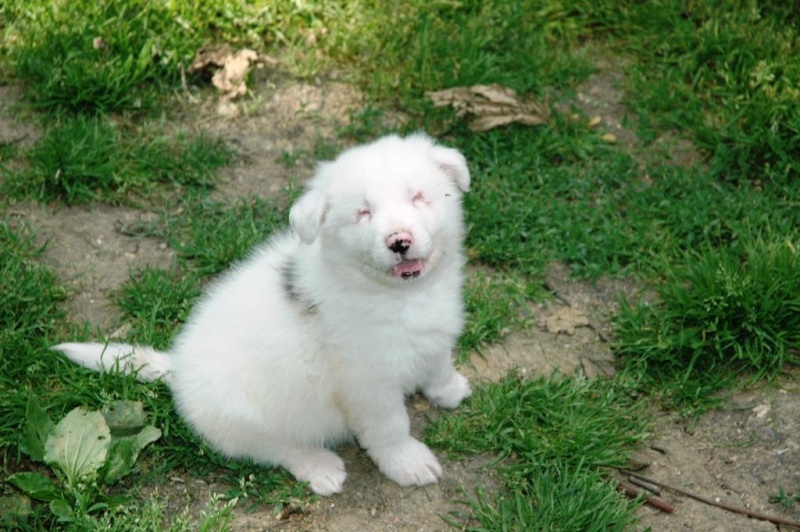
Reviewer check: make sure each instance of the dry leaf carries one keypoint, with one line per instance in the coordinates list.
(230, 68)
(490, 106)
(595, 121)
(422, 405)
(565, 320)
(597, 367)
(610, 138)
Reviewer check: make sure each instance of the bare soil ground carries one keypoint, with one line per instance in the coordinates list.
(741, 454)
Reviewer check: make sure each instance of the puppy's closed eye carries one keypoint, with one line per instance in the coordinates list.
(363, 213)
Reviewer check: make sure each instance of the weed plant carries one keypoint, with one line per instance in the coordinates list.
(551, 437)
(722, 314)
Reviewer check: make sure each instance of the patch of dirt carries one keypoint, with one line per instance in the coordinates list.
(13, 130)
(85, 245)
(602, 96)
(372, 502)
(741, 454)
(283, 116)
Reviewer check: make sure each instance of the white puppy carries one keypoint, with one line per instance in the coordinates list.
(324, 330)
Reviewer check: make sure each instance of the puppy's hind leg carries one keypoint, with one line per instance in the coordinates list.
(320, 467)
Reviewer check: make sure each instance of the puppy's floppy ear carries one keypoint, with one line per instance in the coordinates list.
(453, 164)
(307, 214)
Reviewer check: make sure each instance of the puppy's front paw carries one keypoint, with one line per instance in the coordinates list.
(409, 464)
(451, 394)
(323, 470)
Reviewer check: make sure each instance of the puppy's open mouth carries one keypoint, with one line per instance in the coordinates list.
(408, 269)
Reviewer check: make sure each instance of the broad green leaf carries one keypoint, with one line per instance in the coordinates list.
(36, 485)
(97, 507)
(125, 418)
(38, 426)
(124, 451)
(62, 509)
(79, 445)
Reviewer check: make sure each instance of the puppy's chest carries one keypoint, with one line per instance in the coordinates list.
(395, 334)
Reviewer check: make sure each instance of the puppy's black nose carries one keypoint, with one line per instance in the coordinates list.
(399, 242)
(399, 246)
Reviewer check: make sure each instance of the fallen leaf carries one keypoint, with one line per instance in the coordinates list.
(490, 106)
(422, 405)
(565, 320)
(218, 56)
(593, 368)
(78, 445)
(124, 451)
(229, 71)
(610, 138)
(595, 121)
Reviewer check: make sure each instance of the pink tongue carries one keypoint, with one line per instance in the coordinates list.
(408, 268)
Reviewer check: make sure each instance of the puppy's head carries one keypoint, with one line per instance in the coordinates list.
(391, 209)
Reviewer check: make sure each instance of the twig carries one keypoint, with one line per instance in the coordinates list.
(632, 492)
(718, 504)
(658, 448)
(646, 485)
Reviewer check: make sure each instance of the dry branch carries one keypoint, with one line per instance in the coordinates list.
(719, 504)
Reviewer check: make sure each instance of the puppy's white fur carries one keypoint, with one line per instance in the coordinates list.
(324, 330)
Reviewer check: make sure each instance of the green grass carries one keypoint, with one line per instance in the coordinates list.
(556, 497)
(418, 46)
(717, 241)
(722, 314)
(93, 57)
(154, 302)
(552, 438)
(721, 72)
(29, 292)
(85, 56)
(489, 296)
(82, 159)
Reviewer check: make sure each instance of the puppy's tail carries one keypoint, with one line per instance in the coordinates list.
(145, 362)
